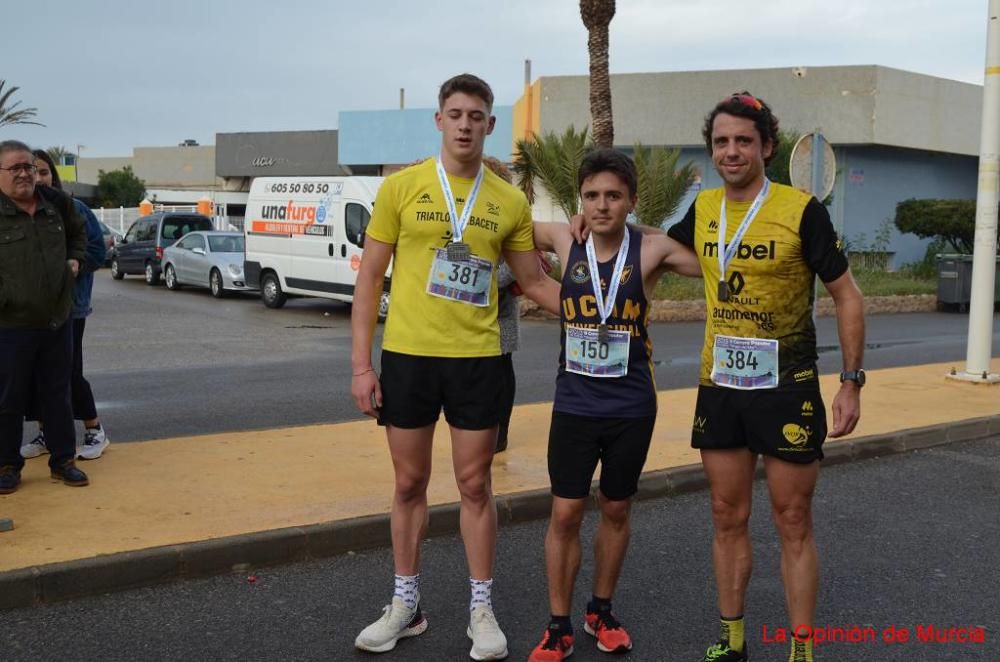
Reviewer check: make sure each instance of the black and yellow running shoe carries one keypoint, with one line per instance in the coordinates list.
(721, 652)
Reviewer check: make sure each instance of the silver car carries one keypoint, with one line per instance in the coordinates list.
(206, 259)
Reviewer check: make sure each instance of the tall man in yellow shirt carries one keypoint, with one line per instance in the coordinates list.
(445, 224)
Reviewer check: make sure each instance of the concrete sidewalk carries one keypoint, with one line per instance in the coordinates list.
(164, 509)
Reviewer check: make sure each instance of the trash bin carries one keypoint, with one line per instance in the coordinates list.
(955, 280)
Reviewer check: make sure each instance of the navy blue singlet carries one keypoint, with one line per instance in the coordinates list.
(634, 394)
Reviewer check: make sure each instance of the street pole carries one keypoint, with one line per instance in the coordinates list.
(977, 367)
(528, 101)
(817, 164)
(76, 165)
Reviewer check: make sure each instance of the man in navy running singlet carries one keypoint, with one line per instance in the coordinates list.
(605, 403)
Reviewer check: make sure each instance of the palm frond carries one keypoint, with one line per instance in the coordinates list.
(524, 167)
(554, 161)
(661, 184)
(58, 153)
(9, 114)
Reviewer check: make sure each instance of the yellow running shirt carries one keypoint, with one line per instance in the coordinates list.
(411, 213)
(772, 276)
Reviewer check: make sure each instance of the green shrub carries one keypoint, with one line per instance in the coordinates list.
(952, 221)
(874, 256)
(926, 269)
(679, 288)
(890, 283)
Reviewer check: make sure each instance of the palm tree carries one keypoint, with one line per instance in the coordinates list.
(661, 184)
(554, 161)
(597, 15)
(9, 114)
(58, 154)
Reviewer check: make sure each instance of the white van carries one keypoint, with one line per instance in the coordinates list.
(304, 236)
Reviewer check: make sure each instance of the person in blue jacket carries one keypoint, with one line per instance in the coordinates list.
(95, 440)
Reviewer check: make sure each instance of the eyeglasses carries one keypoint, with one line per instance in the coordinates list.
(747, 100)
(23, 168)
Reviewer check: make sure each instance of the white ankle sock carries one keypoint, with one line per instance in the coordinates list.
(482, 593)
(408, 590)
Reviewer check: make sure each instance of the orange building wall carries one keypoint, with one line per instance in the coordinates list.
(526, 116)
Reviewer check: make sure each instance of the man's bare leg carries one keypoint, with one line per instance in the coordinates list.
(792, 487)
(730, 479)
(610, 545)
(562, 552)
(410, 450)
(472, 456)
(411, 459)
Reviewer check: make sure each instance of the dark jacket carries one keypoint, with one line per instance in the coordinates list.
(96, 254)
(36, 283)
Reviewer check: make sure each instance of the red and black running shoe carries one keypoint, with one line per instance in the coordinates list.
(610, 633)
(554, 647)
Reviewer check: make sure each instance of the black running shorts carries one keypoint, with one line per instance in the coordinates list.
(786, 423)
(578, 443)
(416, 388)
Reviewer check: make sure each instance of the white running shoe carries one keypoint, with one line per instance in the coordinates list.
(35, 447)
(94, 443)
(488, 641)
(398, 622)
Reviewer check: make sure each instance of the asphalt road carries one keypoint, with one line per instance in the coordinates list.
(905, 540)
(165, 364)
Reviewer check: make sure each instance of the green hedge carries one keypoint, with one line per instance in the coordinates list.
(953, 221)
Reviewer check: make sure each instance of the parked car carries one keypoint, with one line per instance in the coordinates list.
(141, 250)
(206, 259)
(110, 239)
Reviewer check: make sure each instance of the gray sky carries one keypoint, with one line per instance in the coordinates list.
(116, 74)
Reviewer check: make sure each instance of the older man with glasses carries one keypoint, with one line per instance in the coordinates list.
(42, 243)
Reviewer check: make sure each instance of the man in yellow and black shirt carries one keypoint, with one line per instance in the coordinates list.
(760, 246)
(445, 223)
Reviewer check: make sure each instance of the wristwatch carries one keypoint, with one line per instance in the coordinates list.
(856, 376)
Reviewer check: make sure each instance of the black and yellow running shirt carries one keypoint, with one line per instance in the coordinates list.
(771, 279)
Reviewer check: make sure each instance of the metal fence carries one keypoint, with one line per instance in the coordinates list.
(871, 260)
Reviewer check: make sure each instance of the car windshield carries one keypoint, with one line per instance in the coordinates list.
(226, 244)
(176, 227)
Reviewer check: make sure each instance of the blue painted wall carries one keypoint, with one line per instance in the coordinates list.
(378, 137)
(876, 178)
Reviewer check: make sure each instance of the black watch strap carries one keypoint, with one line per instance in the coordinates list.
(856, 376)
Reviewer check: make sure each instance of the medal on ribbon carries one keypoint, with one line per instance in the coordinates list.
(606, 304)
(458, 250)
(728, 251)
(723, 294)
